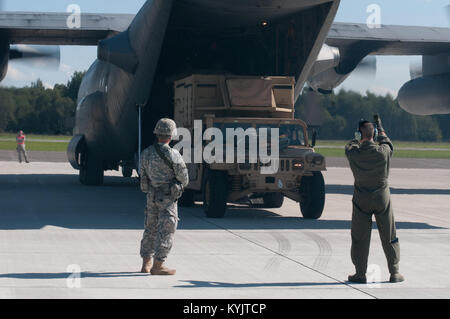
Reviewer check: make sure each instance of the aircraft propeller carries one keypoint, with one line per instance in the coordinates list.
(367, 68)
(313, 111)
(39, 56)
(415, 69)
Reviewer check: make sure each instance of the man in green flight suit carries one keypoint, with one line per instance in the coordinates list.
(369, 162)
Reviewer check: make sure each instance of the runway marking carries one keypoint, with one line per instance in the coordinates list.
(286, 257)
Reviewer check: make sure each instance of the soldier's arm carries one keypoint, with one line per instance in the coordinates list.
(180, 169)
(145, 181)
(351, 147)
(386, 145)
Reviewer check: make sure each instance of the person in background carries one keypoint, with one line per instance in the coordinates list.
(21, 150)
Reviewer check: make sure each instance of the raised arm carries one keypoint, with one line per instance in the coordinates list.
(384, 141)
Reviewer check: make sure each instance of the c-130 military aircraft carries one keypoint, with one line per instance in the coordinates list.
(139, 55)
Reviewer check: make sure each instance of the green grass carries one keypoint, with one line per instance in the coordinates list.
(397, 144)
(398, 152)
(36, 146)
(36, 137)
(422, 154)
(331, 152)
(327, 152)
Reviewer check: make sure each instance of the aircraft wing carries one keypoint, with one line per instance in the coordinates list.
(389, 39)
(52, 28)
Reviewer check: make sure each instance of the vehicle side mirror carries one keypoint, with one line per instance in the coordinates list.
(314, 138)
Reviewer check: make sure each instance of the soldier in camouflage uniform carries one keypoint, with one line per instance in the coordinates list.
(369, 162)
(163, 177)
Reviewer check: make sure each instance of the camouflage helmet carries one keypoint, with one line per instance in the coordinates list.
(165, 127)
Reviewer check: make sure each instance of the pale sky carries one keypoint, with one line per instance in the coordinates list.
(392, 72)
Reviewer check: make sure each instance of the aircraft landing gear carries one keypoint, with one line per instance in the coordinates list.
(127, 171)
(91, 171)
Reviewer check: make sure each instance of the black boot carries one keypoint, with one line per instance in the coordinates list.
(396, 277)
(357, 278)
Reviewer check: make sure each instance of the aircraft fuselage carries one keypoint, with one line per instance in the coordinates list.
(166, 40)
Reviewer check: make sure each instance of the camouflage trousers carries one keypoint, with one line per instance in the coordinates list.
(21, 151)
(161, 220)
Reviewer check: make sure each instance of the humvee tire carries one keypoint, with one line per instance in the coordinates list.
(187, 199)
(313, 196)
(127, 171)
(215, 193)
(91, 171)
(273, 200)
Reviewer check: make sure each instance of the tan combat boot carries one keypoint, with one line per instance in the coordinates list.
(160, 269)
(146, 265)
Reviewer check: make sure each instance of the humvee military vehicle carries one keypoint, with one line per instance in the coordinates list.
(225, 101)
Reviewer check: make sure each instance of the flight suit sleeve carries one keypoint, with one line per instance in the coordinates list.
(351, 148)
(145, 181)
(386, 146)
(180, 170)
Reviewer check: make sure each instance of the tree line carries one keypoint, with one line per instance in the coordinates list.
(39, 110)
(341, 112)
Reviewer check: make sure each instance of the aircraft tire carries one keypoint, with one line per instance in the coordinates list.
(127, 171)
(91, 172)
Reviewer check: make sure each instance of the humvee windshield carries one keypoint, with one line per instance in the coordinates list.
(290, 134)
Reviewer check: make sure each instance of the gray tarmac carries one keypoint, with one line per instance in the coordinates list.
(59, 239)
(35, 156)
(61, 157)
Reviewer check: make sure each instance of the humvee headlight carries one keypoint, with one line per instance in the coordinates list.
(297, 165)
(318, 160)
(315, 159)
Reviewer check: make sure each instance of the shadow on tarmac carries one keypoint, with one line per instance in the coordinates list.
(36, 201)
(216, 284)
(348, 190)
(189, 283)
(64, 275)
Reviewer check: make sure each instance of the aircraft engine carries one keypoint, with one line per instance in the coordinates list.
(429, 92)
(323, 76)
(332, 68)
